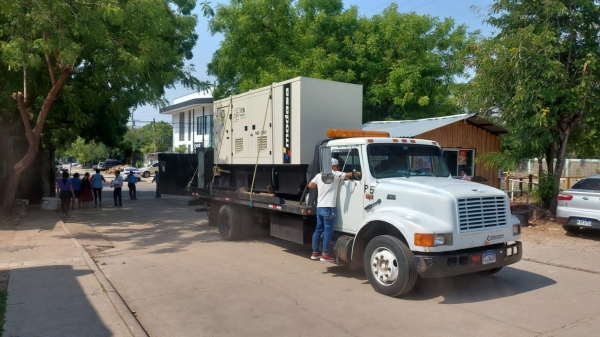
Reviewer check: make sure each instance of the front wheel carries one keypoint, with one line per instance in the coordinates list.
(146, 174)
(390, 266)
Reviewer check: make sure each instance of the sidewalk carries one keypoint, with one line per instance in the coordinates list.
(561, 257)
(55, 288)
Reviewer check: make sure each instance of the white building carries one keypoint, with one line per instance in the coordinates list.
(192, 120)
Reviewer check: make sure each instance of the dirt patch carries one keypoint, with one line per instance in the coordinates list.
(543, 229)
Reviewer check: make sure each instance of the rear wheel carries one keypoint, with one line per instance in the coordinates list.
(229, 223)
(572, 229)
(389, 265)
(146, 174)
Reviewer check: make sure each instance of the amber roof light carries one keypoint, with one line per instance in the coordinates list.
(335, 133)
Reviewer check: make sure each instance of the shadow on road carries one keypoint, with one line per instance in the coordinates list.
(478, 288)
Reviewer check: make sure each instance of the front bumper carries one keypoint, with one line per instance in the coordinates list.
(466, 261)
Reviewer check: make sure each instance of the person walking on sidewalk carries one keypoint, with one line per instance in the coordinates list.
(326, 199)
(117, 184)
(155, 179)
(86, 191)
(65, 186)
(97, 180)
(131, 180)
(76, 190)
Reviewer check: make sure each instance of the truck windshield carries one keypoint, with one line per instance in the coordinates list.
(406, 160)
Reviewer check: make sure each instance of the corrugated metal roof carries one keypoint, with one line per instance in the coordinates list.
(413, 128)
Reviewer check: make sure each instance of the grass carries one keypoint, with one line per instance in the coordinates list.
(3, 298)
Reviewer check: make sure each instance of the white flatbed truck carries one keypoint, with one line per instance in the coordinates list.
(400, 216)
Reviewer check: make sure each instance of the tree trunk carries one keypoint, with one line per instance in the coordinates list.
(33, 135)
(13, 182)
(561, 154)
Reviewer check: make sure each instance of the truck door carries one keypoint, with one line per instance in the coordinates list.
(350, 201)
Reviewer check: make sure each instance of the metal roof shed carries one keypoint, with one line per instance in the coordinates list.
(462, 137)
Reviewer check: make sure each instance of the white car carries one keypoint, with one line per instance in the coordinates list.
(147, 171)
(137, 173)
(101, 165)
(579, 206)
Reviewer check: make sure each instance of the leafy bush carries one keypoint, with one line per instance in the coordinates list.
(545, 191)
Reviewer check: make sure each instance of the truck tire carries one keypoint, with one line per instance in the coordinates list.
(390, 266)
(229, 223)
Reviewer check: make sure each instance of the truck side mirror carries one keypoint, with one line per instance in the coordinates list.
(326, 171)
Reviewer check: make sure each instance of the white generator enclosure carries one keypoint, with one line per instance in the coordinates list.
(283, 128)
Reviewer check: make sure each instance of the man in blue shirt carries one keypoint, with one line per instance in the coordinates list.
(76, 190)
(97, 180)
(155, 179)
(131, 180)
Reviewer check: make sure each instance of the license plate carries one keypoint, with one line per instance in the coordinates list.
(489, 257)
(584, 222)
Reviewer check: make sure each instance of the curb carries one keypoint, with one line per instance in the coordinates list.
(115, 298)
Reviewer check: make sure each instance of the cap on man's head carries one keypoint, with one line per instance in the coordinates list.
(334, 162)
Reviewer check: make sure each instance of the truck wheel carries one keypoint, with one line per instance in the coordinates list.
(390, 266)
(146, 174)
(490, 271)
(230, 223)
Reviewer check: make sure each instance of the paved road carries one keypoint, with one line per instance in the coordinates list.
(182, 280)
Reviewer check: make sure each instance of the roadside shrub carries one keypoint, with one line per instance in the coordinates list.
(545, 191)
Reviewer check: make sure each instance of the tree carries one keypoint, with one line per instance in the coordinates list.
(86, 152)
(539, 73)
(406, 63)
(104, 56)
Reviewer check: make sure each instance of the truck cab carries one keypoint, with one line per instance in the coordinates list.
(404, 208)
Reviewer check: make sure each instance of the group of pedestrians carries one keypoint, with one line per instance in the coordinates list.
(89, 188)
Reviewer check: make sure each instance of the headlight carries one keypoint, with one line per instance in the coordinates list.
(516, 229)
(433, 240)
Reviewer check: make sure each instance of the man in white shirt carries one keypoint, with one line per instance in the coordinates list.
(327, 195)
(117, 184)
(464, 176)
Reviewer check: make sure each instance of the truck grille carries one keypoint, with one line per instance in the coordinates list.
(475, 214)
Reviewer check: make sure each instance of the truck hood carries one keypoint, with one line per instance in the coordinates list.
(432, 185)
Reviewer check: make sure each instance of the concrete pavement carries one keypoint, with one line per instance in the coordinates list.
(181, 279)
(55, 288)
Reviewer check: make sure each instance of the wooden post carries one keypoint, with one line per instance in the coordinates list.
(530, 187)
(568, 182)
(506, 184)
(520, 187)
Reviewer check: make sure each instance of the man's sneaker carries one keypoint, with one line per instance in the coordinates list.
(327, 258)
(315, 256)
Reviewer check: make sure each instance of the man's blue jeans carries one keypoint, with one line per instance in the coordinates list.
(325, 220)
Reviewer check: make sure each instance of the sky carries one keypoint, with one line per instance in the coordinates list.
(459, 10)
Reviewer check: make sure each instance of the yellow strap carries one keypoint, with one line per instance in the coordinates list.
(258, 147)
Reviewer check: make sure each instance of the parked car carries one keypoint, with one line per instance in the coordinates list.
(137, 173)
(147, 171)
(101, 165)
(579, 206)
(108, 163)
(58, 165)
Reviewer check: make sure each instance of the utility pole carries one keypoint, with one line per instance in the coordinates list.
(154, 133)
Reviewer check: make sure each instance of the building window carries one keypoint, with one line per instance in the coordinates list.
(199, 126)
(181, 126)
(460, 159)
(190, 125)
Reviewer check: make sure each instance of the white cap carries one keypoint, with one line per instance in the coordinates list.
(334, 161)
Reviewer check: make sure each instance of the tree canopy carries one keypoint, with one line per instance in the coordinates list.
(539, 74)
(81, 65)
(407, 63)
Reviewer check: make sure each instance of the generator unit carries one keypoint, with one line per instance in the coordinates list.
(273, 131)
